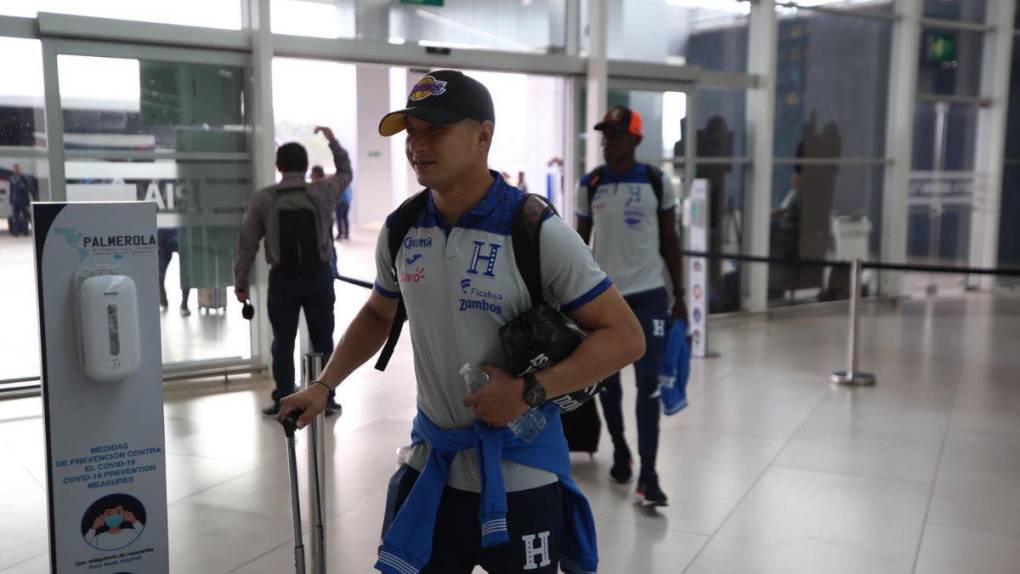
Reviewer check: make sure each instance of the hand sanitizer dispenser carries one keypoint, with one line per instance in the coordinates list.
(108, 331)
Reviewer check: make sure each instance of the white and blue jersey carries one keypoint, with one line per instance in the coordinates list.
(625, 226)
(460, 285)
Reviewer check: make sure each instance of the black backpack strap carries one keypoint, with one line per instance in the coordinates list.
(594, 179)
(655, 178)
(527, 225)
(398, 226)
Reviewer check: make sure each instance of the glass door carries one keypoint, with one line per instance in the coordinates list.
(171, 127)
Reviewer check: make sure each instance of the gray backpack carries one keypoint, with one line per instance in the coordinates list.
(294, 230)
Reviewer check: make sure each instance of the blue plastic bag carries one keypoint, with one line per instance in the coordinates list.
(675, 370)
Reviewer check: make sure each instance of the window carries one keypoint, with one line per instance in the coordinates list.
(223, 14)
(711, 34)
(536, 26)
(22, 99)
(829, 143)
(176, 134)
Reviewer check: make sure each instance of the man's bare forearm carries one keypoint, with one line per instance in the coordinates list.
(604, 352)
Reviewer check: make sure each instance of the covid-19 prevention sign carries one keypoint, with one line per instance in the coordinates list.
(96, 274)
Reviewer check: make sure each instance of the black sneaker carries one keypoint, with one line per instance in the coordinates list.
(273, 410)
(622, 470)
(333, 408)
(649, 494)
(185, 312)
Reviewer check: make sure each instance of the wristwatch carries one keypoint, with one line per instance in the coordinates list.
(534, 392)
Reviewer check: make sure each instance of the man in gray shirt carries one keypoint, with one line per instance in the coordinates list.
(456, 273)
(290, 291)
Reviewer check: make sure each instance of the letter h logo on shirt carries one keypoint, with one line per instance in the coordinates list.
(490, 259)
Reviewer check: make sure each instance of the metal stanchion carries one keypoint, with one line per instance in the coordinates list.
(852, 376)
(313, 364)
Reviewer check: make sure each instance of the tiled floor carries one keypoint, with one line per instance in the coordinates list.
(770, 469)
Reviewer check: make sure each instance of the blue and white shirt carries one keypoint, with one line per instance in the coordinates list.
(625, 226)
(460, 285)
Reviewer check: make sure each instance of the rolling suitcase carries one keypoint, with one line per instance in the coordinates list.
(582, 428)
(212, 299)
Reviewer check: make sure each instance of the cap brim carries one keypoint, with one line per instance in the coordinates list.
(602, 126)
(395, 122)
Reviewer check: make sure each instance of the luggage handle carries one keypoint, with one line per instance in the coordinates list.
(289, 423)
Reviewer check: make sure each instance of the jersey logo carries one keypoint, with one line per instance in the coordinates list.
(427, 86)
(410, 260)
(490, 259)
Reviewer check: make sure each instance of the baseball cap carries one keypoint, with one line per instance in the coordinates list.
(621, 119)
(442, 97)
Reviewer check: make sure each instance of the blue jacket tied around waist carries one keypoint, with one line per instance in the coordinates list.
(407, 545)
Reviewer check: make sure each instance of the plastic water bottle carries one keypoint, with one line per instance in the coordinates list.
(527, 426)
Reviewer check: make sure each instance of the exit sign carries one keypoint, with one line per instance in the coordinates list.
(941, 47)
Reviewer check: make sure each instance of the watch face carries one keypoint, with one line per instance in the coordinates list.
(535, 396)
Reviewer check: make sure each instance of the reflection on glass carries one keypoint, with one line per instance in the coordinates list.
(1009, 232)
(199, 209)
(22, 99)
(151, 106)
(950, 62)
(721, 111)
(711, 34)
(965, 10)
(190, 114)
(22, 181)
(945, 135)
(223, 14)
(726, 184)
(824, 211)
(833, 68)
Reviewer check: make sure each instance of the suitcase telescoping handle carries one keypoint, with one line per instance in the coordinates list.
(289, 423)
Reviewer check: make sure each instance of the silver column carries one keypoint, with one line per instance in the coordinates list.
(313, 365)
(852, 376)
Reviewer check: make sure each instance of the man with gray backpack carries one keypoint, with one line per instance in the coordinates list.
(295, 219)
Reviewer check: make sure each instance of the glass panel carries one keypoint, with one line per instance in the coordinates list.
(823, 212)
(1009, 231)
(537, 26)
(297, 110)
(195, 113)
(1013, 109)
(664, 115)
(832, 79)
(726, 187)
(944, 136)
(950, 62)
(941, 207)
(711, 34)
(22, 98)
(965, 10)
(848, 6)
(319, 19)
(152, 106)
(721, 122)
(22, 180)
(223, 14)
